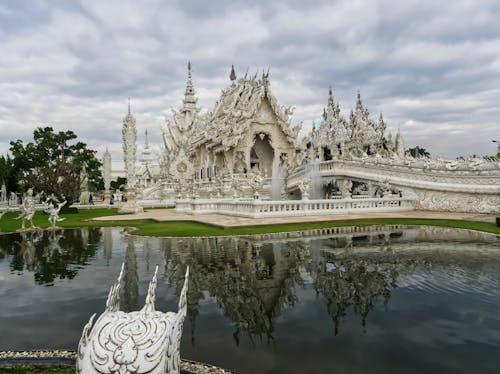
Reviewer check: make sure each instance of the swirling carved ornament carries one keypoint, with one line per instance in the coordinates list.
(147, 341)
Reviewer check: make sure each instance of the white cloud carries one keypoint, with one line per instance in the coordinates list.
(430, 67)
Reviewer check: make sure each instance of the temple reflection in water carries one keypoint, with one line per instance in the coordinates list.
(254, 278)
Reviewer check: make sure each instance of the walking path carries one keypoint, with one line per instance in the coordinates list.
(225, 221)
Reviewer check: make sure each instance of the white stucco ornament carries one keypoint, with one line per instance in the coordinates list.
(305, 187)
(147, 341)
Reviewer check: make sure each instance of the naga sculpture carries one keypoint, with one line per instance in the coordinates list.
(147, 341)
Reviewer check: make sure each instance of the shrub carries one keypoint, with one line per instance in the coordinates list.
(69, 210)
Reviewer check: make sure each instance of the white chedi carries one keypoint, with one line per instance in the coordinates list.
(147, 341)
(129, 135)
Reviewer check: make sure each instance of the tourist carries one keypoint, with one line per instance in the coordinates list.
(112, 199)
(91, 199)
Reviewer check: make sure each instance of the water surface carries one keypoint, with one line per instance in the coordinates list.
(379, 300)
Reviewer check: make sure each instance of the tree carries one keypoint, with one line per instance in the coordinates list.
(118, 184)
(54, 163)
(418, 152)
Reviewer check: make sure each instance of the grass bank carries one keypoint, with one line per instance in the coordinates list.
(189, 228)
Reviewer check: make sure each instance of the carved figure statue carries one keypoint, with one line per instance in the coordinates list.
(304, 187)
(12, 199)
(386, 187)
(239, 163)
(27, 209)
(53, 213)
(255, 181)
(345, 187)
(147, 341)
(3, 194)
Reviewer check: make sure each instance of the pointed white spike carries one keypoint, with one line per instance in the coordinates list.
(149, 305)
(85, 335)
(113, 302)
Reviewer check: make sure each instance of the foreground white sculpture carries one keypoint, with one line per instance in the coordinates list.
(147, 341)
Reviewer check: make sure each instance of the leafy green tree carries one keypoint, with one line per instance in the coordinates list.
(418, 152)
(498, 148)
(54, 162)
(118, 184)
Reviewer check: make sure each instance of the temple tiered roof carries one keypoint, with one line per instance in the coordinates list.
(246, 101)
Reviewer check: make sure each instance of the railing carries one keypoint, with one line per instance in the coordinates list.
(258, 208)
(416, 175)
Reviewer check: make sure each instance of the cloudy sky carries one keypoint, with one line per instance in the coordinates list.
(431, 67)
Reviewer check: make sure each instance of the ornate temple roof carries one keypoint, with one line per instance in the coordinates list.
(238, 107)
(358, 132)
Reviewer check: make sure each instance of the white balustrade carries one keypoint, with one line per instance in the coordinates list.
(262, 208)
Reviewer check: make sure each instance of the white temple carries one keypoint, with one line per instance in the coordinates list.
(244, 158)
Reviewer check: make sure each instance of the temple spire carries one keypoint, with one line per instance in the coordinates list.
(129, 105)
(330, 97)
(146, 152)
(232, 75)
(189, 95)
(359, 103)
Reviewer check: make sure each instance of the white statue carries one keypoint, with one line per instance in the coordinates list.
(147, 341)
(305, 187)
(255, 181)
(84, 187)
(345, 187)
(3, 194)
(386, 187)
(12, 199)
(53, 213)
(27, 210)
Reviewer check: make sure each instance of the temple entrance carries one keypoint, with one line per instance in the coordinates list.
(262, 155)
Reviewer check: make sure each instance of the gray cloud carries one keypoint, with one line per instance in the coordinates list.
(432, 68)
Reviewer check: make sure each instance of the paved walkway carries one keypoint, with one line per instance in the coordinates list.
(225, 221)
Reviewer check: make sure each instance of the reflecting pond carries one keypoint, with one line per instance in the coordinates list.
(379, 299)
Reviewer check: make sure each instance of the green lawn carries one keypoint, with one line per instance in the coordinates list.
(189, 228)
